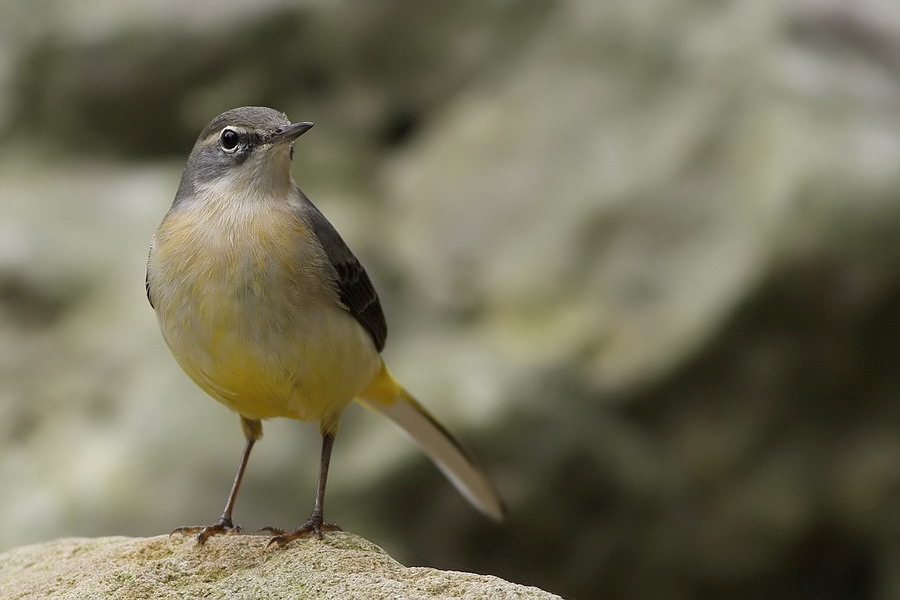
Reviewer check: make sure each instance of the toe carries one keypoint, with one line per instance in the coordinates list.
(222, 527)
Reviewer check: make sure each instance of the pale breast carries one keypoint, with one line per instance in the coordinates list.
(245, 306)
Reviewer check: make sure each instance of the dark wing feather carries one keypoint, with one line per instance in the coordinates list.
(147, 287)
(357, 295)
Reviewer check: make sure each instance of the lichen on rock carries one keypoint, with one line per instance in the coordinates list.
(341, 565)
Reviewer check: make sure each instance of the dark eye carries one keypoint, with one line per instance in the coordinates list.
(229, 139)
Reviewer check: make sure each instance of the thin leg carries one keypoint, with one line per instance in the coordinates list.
(253, 430)
(315, 523)
(318, 512)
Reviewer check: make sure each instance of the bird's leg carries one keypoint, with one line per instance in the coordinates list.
(253, 431)
(315, 523)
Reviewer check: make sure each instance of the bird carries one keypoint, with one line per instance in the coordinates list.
(264, 306)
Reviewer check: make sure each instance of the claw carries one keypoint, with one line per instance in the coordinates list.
(221, 527)
(273, 530)
(313, 526)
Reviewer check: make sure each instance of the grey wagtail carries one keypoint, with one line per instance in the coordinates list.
(267, 310)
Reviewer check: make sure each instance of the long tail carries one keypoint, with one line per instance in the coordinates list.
(388, 397)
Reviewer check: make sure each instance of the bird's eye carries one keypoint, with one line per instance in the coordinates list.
(229, 139)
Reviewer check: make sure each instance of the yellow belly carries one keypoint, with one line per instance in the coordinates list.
(255, 327)
(307, 370)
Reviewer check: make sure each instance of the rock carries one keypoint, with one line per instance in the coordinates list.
(341, 566)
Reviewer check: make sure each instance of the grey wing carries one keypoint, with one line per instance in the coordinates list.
(357, 295)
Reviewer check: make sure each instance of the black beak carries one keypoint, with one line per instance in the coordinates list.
(289, 133)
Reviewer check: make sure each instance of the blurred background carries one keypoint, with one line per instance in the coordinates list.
(642, 257)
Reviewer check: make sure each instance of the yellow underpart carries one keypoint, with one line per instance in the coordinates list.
(246, 306)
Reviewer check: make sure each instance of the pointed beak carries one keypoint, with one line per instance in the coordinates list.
(289, 133)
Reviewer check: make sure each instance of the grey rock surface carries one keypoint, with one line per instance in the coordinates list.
(169, 567)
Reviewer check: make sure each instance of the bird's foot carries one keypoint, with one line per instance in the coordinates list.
(314, 525)
(221, 527)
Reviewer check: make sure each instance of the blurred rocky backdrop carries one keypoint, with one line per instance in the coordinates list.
(643, 257)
